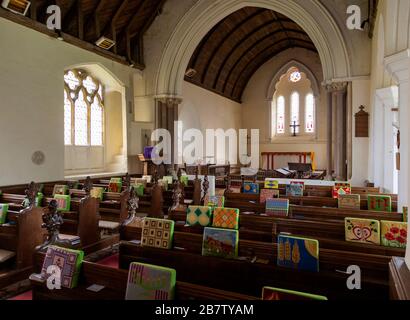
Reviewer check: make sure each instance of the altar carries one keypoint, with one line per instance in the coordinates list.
(277, 160)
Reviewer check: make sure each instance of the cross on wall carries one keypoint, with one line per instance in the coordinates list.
(294, 126)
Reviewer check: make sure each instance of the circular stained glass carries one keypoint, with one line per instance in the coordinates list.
(295, 76)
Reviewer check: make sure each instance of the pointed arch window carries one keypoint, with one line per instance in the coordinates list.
(280, 115)
(294, 110)
(83, 109)
(310, 114)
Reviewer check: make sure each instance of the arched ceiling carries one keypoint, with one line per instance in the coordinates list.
(239, 45)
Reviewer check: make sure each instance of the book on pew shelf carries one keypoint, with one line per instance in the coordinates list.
(394, 234)
(294, 190)
(405, 214)
(277, 294)
(63, 202)
(184, 180)
(250, 188)
(379, 203)
(277, 207)
(74, 240)
(268, 194)
(221, 243)
(115, 185)
(225, 218)
(349, 201)
(148, 178)
(298, 253)
(60, 189)
(67, 260)
(149, 282)
(214, 201)
(139, 189)
(271, 183)
(95, 288)
(4, 208)
(341, 188)
(157, 233)
(362, 230)
(97, 193)
(199, 215)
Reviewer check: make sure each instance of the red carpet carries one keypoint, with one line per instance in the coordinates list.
(24, 296)
(111, 261)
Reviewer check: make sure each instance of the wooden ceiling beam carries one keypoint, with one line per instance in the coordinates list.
(281, 25)
(80, 19)
(245, 53)
(96, 18)
(237, 45)
(69, 15)
(123, 5)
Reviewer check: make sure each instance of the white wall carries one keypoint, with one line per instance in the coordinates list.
(256, 107)
(31, 106)
(202, 109)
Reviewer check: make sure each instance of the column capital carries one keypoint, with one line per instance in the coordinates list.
(336, 86)
(170, 101)
(397, 65)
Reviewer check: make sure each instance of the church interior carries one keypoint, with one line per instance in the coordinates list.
(204, 150)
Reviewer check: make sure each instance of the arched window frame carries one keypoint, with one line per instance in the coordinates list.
(307, 128)
(73, 95)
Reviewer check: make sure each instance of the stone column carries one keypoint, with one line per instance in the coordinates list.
(398, 65)
(336, 133)
(167, 112)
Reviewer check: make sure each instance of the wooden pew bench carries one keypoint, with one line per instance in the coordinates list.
(18, 241)
(115, 282)
(249, 278)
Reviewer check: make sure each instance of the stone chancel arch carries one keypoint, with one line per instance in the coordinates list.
(311, 16)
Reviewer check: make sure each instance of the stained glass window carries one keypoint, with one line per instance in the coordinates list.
(96, 123)
(310, 114)
(83, 109)
(294, 110)
(280, 115)
(67, 119)
(295, 76)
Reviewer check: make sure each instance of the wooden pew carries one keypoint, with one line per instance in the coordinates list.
(301, 201)
(115, 282)
(21, 237)
(249, 278)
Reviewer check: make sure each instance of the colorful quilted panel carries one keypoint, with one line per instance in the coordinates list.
(148, 282)
(362, 230)
(168, 179)
(250, 188)
(301, 183)
(197, 215)
(184, 180)
(163, 184)
(341, 189)
(394, 234)
(379, 203)
(271, 184)
(4, 208)
(268, 194)
(63, 202)
(277, 207)
(97, 192)
(294, 190)
(298, 253)
(60, 189)
(214, 201)
(69, 261)
(136, 181)
(220, 243)
(147, 178)
(405, 214)
(277, 294)
(115, 185)
(139, 189)
(226, 218)
(349, 201)
(157, 233)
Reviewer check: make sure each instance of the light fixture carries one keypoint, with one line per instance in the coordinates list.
(105, 43)
(16, 6)
(190, 73)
